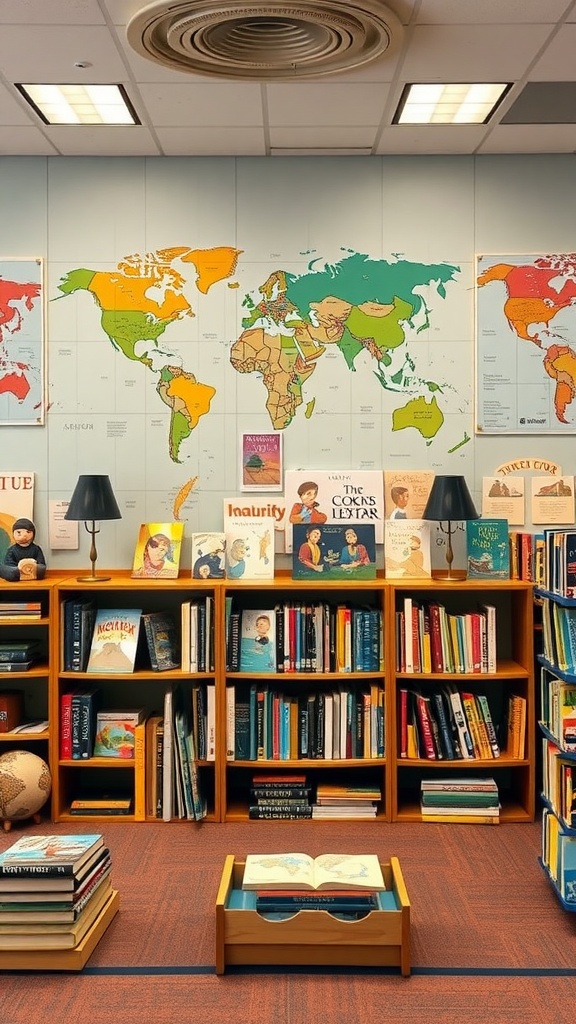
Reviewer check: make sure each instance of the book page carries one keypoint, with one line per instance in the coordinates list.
(278, 871)
(348, 871)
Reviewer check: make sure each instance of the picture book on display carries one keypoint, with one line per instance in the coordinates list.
(208, 556)
(272, 506)
(258, 641)
(334, 552)
(406, 492)
(351, 497)
(300, 871)
(115, 640)
(115, 733)
(249, 547)
(261, 462)
(157, 553)
(488, 549)
(407, 548)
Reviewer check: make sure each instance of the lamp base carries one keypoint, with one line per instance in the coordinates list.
(449, 576)
(92, 579)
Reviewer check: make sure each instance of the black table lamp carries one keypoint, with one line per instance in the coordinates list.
(449, 501)
(93, 500)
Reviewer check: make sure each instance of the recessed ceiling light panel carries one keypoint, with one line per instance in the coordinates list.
(438, 103)
(80, 104)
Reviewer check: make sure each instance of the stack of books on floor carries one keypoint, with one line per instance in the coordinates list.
(346, 885)
(462, 800)
(279, 796)
(350, 802)
(53, 890)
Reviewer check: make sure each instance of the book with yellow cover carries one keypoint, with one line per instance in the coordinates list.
(157, 553)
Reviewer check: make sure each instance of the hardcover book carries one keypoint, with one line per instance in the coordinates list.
(208, 556)
(162, 640)
(487, 549)
(157, 553)
(67, 852)
(300, 871)
(258, 641)
(18, 651)
(114, 640)
(249, 548)
(334, 552)
(11, 709)
(115, 733)
(407, 548)
(352, 498)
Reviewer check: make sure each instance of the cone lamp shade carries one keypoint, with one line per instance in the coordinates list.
(449, 502)
(93, 501)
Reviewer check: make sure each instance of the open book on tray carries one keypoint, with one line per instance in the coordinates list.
(299, 871)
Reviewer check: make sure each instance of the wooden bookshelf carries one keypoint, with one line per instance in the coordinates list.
(226, 780)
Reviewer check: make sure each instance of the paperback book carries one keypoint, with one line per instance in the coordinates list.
(334, 552)
(208, 556)
(258, 641)
(157, 553)
(407, 548)
(115, 640)
(249, 548)
(66, 852)
(115, 733)
(261, 462)
(488, 549)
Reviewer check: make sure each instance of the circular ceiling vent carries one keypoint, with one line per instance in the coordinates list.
(263, 40)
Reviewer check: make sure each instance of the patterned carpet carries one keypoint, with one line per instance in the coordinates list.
(490, 942)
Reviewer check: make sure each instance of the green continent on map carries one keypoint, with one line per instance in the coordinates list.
(356, 305)
(133, 319)
(424, 416)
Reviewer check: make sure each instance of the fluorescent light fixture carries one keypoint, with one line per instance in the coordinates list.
(438, 103)
(80, 104)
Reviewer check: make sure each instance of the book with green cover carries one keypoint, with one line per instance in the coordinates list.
(488, 549)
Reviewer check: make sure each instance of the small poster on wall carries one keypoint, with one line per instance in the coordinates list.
(553, 500)
(503, 498)
(261, 462)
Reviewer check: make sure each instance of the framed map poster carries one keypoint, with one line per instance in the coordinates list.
(22, 343)
(525, 344)
(261, 462)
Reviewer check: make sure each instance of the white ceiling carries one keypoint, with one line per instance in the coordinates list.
(518, 41)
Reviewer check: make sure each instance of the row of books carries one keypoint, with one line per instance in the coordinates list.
(52, 890)
(559, 856)
(449, 724)
(558, 709)
(560, 562)
(266, 724)
(295, 637)
(431, 639)
(109, 640)
(527, 557)
(559, 634)
(18, 655)
(559, 783)
(463, 800)
(197, 635)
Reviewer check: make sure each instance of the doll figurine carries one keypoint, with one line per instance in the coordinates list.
(24, 560)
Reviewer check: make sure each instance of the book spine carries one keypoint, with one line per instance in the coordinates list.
(149, 631)
(462, 819)
(75, 726)
(263, 814)
(66, 726)
(140, 772)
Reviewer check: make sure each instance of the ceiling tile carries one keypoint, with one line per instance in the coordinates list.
(318, 104)
(212, 141)
(50, 53)
(216, 104)
(523, 138)
(334, 137)
(19, 141)
(400, 139)
(116, 140)
(465, 53)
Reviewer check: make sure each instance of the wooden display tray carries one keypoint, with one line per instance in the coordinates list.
(313, 936)
(63, 959)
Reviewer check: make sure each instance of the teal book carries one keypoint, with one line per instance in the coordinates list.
(488, 549)
(258, 640)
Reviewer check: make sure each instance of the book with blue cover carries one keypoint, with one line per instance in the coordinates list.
(488, 549)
